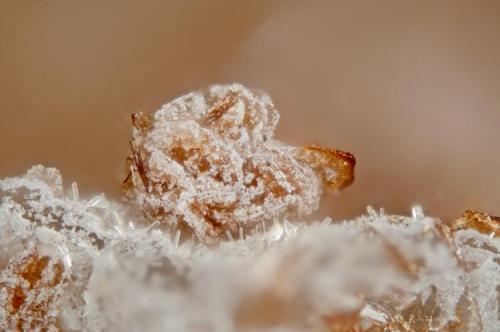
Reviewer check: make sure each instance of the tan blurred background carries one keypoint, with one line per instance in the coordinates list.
(412, 89)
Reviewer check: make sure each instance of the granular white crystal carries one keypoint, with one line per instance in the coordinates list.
(378, 272)
(208, 160)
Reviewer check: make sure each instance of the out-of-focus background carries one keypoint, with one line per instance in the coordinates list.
(411, 88)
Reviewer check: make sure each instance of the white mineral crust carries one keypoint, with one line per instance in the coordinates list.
(122, 274)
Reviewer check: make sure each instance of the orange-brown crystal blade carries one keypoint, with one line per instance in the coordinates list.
(218, 111)
(140, 167)
(325, 159)
(478, 221)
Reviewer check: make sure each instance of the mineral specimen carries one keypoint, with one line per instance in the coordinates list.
(72, 264)
(207, 162)
(47, 243)
(478, 221)
(69, 264)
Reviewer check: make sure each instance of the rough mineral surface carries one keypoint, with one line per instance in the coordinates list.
(207, 163)
(71, 264)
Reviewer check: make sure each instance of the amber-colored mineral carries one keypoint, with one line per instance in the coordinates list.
(206, 165)
(335, 167)
(477, 221)
(32, 291)
(208, 162)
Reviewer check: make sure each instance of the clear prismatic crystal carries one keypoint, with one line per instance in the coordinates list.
(68, 263)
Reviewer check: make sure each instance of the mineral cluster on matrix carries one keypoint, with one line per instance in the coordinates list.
(213, 235)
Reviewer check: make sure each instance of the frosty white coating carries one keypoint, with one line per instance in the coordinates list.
(209, 162)
(69, 265)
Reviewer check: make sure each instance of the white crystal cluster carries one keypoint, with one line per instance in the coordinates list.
(71, 264)
(208, 161)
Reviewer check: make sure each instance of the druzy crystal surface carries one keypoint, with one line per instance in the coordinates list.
(70, 263)
(207, 162)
